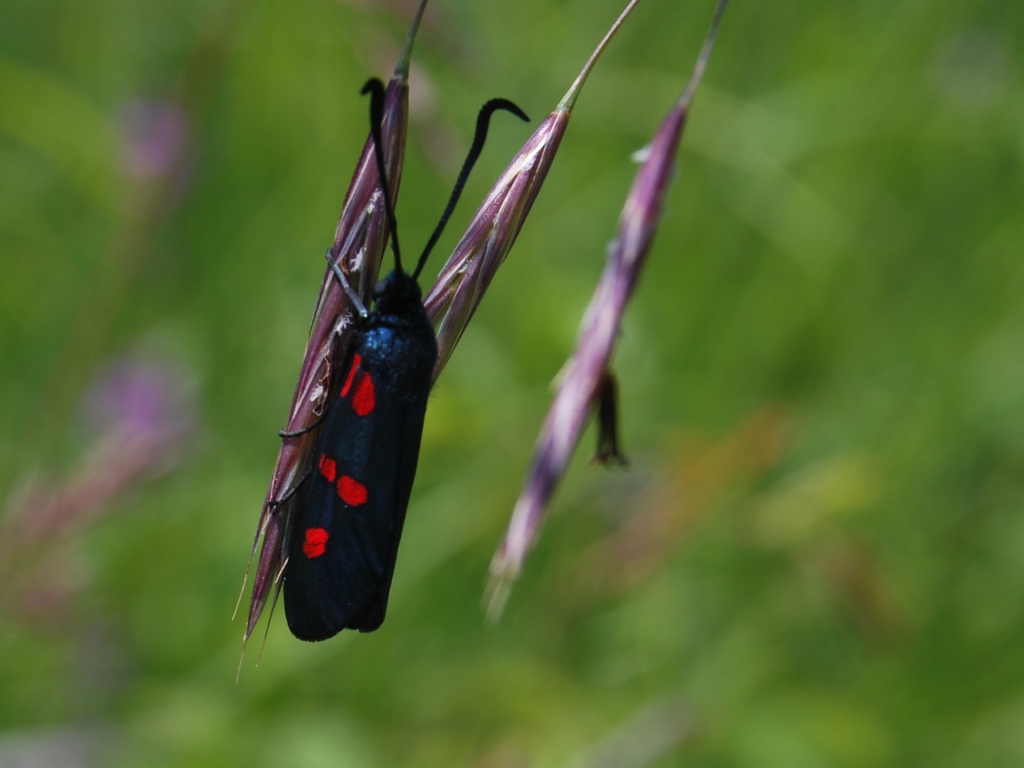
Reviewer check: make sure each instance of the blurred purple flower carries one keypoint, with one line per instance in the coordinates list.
(140, 397)
(139, 416)
(584, 384)
(155, 133)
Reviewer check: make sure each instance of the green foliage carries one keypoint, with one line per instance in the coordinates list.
(816, 557)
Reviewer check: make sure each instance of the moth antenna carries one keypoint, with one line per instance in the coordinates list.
(375, 88)
(483, 121)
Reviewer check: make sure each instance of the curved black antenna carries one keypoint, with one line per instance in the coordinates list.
(375, 88)
(482, 123)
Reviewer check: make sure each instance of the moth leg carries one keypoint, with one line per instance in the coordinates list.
(291, 491)
(305, 430)
(346, 286)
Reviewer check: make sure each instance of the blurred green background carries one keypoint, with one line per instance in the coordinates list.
(816, 556)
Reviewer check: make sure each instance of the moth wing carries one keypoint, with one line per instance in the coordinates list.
(345, 539)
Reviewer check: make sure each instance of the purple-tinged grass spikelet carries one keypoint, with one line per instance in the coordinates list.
(587, 368)
(464, 279)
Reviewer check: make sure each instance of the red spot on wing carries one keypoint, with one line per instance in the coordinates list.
(352, 492)
(328, 468)
(356, 362)
(315, 543)
(365, 396)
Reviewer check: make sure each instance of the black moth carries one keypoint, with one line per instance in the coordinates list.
(351, 507)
